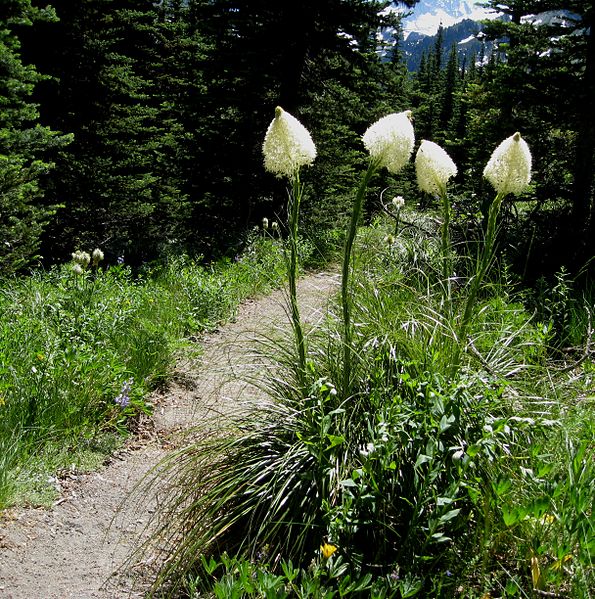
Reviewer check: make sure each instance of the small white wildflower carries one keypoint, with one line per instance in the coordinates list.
(390, 140)
(97, 256)
(265, 223)
(275, 225)
(81, 258)
(287, 145)
(398, 202)
(433, 167)
(509, 168)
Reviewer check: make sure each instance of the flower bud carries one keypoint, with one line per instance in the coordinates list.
(434, 167)
(287, 145)
(509, 168)
(390, 140)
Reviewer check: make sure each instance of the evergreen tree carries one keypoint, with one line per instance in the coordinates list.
(120, 179)
(545, 87)
(25, 145)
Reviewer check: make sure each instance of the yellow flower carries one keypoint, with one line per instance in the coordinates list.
(2, 401)
(327, 550)
(509, 168)
(390, 140)
(547, 519)
(434, 167)
(287, 145)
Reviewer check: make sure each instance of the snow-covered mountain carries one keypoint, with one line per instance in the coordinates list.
(427, 15)
(465, 36)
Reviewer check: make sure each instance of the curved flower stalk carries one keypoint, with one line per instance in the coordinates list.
(434, 167)
(389, 142)
(509, 171)
(287, 147)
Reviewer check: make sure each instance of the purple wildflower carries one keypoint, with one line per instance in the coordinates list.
(124, 398)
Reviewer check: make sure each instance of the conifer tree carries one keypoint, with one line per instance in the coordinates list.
(25, 145)
(118, 181)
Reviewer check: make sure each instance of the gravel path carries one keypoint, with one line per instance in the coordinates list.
(73, 549)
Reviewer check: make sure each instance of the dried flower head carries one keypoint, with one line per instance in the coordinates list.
(434, 167)
(509, 168)
(77, 269)
(275, 225)
(390, 140)
(287, 145)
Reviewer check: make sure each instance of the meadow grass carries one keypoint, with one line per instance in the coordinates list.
(448, 467)
(80, 351)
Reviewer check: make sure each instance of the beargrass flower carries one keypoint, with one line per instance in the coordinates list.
(287, 145)
(433, 167)
(390, 140)
(265, 223)
(77, 269)
(509, 168)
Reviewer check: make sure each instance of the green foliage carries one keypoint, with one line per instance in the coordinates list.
(24, 143)
(396, 471)
(120, 180)
(81, 348)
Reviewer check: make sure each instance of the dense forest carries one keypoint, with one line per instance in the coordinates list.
(134, 126)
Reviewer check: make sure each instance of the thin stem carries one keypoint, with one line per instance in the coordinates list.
(294, 210)
(345, 297)
(483, 264)
(445, 236)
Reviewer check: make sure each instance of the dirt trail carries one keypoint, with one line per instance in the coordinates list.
(71, 551)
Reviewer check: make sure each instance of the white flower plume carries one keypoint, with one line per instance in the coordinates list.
(287, 145)
(434, 167)
(390, 140)
(509, 168)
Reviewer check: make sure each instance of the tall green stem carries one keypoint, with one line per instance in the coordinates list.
(294, 211)
(345, 297)
(483, 264)
(445, 237)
